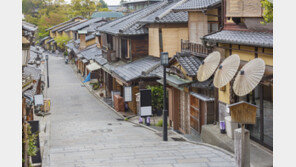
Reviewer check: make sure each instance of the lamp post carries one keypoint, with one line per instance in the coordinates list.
(164, 59)
(46, 57)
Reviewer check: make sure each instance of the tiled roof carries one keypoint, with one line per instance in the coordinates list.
(28, 26)
(32, 71)
(101, 60)
(197, 5)
(262, 39)
(134, 69)
(171, 17)
(71, 25)
(90, 52)
(85, 24)
(93, 27)
(139, 1)
(107, 14)
(190, 63)
(64, 23)
(49, 41)
(206, 84)
(63, 26)
(129, 24)
(43, 39)
(72, 47)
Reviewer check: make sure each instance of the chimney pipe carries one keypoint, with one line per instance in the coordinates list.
(82, 35)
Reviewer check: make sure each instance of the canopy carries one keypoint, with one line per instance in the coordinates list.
(93, 66)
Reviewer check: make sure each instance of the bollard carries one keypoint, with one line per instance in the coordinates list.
(140, 120)
(239, 155)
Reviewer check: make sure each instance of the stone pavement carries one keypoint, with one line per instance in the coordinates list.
(85, 132)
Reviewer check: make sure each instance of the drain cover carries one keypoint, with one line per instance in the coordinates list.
(120, 119)
(105, 130)
(109, 124)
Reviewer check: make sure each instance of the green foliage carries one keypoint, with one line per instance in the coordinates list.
(47, 13)
(32, 139)
(268, 11)
(157, 97)
(159, 123)
(62, 41)
(85, 8)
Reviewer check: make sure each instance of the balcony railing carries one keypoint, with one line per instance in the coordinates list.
(194, 48)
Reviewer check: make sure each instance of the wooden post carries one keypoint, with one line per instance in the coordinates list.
(26, 145)
(242, 145)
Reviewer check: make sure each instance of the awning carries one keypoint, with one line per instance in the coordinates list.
(202, 97)
(93, 66)
(84, 60)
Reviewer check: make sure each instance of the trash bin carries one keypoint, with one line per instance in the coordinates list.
(230, 127)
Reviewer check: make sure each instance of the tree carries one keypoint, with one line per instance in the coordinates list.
(268, 11)
(86, 7)
(62, 41)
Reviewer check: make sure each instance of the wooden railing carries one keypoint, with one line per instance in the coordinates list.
(194, 48)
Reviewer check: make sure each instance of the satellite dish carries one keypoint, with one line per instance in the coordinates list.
(208, 66)
(226, 71)
(249, 77)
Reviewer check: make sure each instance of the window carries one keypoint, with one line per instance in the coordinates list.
(213, 27)
(160, 41)
(262, 97)
(124, 49)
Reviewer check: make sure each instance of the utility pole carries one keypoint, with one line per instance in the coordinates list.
(46, 57)
(164, 62)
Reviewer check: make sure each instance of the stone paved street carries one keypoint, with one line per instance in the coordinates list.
(84, 132)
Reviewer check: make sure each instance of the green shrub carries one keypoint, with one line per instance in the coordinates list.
(156, 97)
(159, 123)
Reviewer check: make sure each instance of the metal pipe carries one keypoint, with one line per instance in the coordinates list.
(165, 111)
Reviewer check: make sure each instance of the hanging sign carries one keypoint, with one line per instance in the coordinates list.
(128, 94)
(145, 102)
(243, 112)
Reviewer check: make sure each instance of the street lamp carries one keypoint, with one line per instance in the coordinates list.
(46, 57)
(164, 60)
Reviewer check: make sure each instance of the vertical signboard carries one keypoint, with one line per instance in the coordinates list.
(145, 102)
(128, 94)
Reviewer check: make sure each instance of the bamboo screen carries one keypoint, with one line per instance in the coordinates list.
(243, 8)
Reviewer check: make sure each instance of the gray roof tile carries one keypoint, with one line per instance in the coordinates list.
(129, 24)
(189, 62)
(262, 39)
(134, 69)
(171, 17)
(197, 4)
(85, 24)
(91, 52)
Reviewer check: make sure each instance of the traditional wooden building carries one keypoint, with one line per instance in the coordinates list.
(125, 47)
(243, 34)
(131, 6)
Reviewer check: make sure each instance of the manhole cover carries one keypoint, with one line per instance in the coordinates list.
(177, 139)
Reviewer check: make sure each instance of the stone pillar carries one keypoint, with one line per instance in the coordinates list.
(238, 148)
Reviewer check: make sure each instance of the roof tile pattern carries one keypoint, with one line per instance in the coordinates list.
(179, 17)
(197, 4)
(262, 39)
(134, 69)
(189, 62)
(129, 24)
